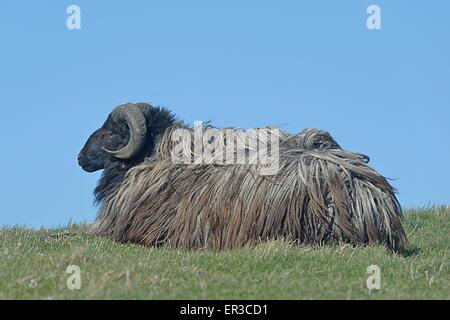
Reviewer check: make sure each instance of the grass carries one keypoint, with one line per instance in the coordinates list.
(33, 266)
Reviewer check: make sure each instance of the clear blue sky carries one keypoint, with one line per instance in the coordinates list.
(294, 64)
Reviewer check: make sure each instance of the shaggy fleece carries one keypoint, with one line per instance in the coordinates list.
(320, 194)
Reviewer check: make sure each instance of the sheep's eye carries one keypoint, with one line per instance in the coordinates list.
(106, 134)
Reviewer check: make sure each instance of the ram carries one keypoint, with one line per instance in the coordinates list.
(319, 194)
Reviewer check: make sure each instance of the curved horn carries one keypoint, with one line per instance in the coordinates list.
(135, 120)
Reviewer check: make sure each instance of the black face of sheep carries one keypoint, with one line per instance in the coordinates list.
(126, 138)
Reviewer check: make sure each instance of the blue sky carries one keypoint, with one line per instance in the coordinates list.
(294, 64)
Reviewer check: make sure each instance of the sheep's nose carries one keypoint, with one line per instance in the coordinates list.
(79, 158)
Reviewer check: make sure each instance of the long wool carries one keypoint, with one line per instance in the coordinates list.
(320, 194)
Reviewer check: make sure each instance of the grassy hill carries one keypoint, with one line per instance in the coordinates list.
(33, 265)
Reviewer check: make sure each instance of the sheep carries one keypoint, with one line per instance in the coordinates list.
(319, 194)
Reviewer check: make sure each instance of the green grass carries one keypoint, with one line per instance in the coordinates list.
(33, 266)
